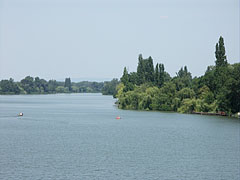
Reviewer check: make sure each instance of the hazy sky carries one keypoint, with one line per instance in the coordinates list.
(94, 39)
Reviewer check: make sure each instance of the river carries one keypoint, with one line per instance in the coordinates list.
(77, 136)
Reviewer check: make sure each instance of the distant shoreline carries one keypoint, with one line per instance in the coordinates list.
(35, 85)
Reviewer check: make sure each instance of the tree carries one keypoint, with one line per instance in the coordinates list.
(183, 78)
(234, 86)
(40, 85)
(185, 93)
(60, 89)
(28, 85)
(221, 59)
(149, 70)
(145, 70)
(209, 78)
(124, 79)
(159, 75)
(140, 70)
(156, 75)
(133, 77)
(206, 94)
(9, 87)
(44, 85)
(68, 84)
(51, 86)
(188, 106)
(109, 87)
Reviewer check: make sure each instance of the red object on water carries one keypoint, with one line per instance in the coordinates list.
(118, 117)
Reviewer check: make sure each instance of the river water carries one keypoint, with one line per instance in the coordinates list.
(77, 136)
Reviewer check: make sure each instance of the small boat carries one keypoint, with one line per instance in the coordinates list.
(20, 114)
(118, 117)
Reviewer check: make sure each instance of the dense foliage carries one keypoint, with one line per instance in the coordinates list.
(30, 85)
(218, 90)
(109, 87)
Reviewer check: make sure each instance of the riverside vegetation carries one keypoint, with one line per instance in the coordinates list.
(218, 90)
(153, 88)
(30, 85)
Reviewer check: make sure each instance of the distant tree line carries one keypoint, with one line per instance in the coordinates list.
(109, 87)
(153, 89)
(30, 85)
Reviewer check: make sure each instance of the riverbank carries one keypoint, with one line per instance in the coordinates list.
(210, 113)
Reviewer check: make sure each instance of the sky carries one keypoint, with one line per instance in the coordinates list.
(96, 39)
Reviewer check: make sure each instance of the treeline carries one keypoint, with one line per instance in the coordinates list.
(30, 85)
(152, 88)
(109, 87)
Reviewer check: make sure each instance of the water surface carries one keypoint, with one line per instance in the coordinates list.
(76, 136)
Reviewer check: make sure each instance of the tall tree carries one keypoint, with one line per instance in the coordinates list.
(161, 75)
(51, 86)
(68, 84)
(221, 74)
(140, 70)
(145, 70)
(156, 75)
(221, 59)
(149, 70)
(124, 79)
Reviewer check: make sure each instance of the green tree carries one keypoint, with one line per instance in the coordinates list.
(28, 85)
(159, 75)
(145, 70)
(234, 86)
(183, 78)
(133, 77)
(124, 79)
(68, 84)
(9, 87)
(221, 58)
(209, 78)
(109, 88)
(140, 70)
(149, 69)
(185, 93)
(188, 106)
(156, 75)
(60, 89)
(51, 86)
(206, 94)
